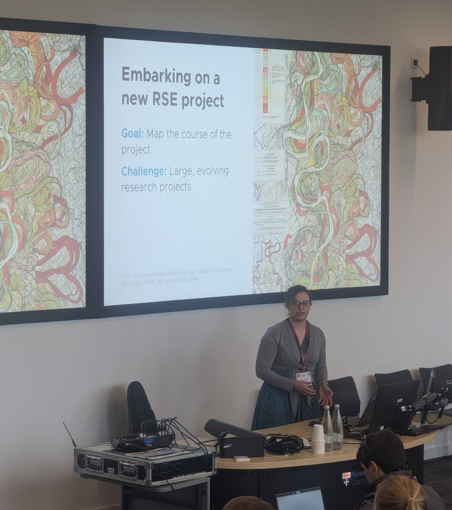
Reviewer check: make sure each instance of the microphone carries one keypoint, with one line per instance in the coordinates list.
(219, 428)
(424, 400)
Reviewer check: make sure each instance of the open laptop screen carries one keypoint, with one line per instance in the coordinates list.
(304, 499)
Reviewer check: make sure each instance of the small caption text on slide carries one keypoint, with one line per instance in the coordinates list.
(171, 277)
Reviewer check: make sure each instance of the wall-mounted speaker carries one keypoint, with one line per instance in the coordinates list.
(436, 89)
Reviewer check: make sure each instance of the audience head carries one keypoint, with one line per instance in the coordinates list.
(381, 453)
(400, 493)
(247, 503)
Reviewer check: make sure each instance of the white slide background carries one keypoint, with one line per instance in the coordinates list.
(189, 233)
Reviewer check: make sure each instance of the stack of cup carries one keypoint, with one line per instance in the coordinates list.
(318, 439)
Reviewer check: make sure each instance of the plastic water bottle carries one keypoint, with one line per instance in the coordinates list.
(327, 429)
(338, 429)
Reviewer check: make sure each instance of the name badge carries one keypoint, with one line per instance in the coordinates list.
(304, 377)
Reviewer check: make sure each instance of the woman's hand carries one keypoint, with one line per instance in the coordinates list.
(325, 395)
(304, 388)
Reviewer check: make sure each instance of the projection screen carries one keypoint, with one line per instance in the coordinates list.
(42, 170)
(235, 168)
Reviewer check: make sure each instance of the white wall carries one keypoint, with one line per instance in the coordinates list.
(200, 365)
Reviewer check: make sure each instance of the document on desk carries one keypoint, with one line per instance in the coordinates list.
(158, 453)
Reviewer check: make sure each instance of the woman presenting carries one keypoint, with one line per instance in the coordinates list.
(292, 363)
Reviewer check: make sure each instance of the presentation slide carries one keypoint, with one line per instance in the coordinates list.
(235, 171)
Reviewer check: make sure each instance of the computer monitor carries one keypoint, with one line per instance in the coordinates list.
(389, 398)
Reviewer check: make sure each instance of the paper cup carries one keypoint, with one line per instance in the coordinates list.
(318, 446)
(317, 433)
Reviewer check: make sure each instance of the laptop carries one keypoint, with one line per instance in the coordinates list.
(303, 499)
(365, 417)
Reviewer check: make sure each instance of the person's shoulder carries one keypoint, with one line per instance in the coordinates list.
(366, 502)
(277, 328)
(434, 501)
(274, 334)
(316, 332)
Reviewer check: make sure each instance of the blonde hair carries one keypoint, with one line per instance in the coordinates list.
(247, 503)
(400, 493)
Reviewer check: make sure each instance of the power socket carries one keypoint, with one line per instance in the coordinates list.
(414, 63)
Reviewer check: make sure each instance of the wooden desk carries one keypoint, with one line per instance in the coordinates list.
(273, 474)
(307, 458)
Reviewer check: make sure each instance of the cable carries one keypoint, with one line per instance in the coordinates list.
(215, 441)
(174, 491)
(421, 68)
(431, 422)
(169, 426)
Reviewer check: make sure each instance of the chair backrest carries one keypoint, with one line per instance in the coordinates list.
(140, 409)
(346, 395)
(394, 377)
(443, 378)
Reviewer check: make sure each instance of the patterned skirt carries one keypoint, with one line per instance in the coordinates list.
(273, 407)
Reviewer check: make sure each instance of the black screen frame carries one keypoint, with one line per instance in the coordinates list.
(93, 139)
(95, 36)
(259, 42)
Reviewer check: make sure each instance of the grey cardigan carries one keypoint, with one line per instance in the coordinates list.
(278, 350)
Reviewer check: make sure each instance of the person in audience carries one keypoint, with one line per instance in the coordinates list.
(400, 493)
(292, 363)
(382, 456)
(247, 503)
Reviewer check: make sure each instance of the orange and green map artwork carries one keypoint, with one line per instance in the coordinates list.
(42, 171)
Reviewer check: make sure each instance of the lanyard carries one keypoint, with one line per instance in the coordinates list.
(305, 346)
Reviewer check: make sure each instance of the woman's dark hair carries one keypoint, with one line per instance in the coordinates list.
(247, 503)
(385, 449)
(293, 291)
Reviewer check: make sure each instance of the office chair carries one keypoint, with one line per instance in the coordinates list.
(443, 379)
(394, 377)
(346, 395)
(139, 409)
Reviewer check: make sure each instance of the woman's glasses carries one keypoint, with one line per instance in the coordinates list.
(301, 304)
